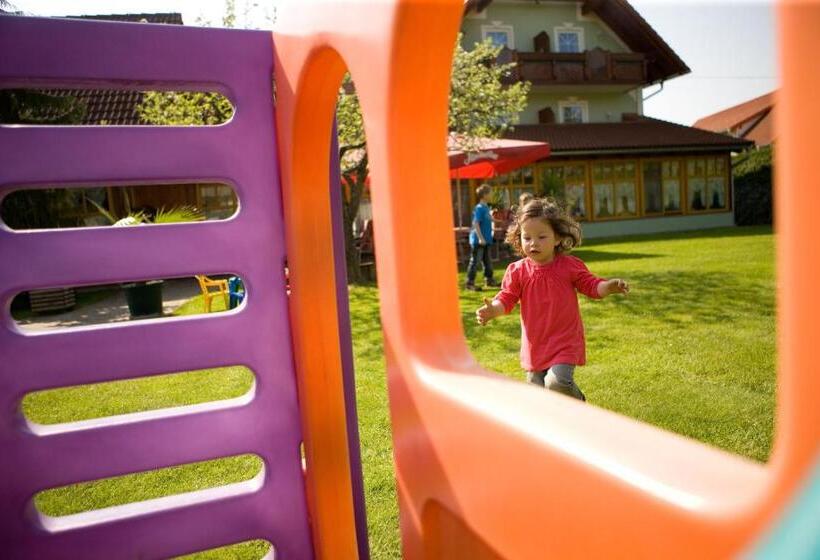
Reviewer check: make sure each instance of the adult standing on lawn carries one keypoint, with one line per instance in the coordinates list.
(481, 238)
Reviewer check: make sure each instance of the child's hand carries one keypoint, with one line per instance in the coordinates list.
(486, 312)
(615, 286)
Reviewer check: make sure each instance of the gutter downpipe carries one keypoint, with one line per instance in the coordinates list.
(654, 93)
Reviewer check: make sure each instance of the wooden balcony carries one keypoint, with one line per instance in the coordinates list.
(595, 67)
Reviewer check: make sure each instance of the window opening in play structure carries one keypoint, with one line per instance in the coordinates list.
(370, 444)
(88, 503)
(113, 107)
(68, 307)
(98, 405)
(691, 349)
(357, 218)
(105, 205)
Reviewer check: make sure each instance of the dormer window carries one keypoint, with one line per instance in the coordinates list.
(500, 35)
(569, 39)
(573, 112)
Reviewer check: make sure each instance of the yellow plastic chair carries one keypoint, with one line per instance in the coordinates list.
(211, 289)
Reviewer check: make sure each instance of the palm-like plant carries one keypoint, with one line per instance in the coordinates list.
(175, 214)
(178, 214)
(145, 298)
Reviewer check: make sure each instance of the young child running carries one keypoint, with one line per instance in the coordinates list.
(545, 281)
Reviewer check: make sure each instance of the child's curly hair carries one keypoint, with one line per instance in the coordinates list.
(564, 226)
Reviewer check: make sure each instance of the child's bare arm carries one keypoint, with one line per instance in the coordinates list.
(613, 286)
(491, 309)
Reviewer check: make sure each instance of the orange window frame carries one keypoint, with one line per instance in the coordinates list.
(544, 168)
(613, 179)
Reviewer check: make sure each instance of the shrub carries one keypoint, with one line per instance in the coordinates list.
(752, 174)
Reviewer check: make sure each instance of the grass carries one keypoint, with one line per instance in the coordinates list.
(196, 306)
(691, 350)
(82, 402)
(98, 400)
(147, 485)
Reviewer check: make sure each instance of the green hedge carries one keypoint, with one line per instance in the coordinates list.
(752, 173)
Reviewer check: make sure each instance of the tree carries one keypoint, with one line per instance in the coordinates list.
(33, 106)
(190, 107)
(482, 102)
(482, 105)
(202, 108)
(184, 108)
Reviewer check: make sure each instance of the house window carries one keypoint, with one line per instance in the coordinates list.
(573, 112)
(521, 181)
(462, 211)
(567, 184)
(569, 40)
(500, 35)
(508, 187)
(671, 186)
(652, 187)
(707, 181)
(217, 201)
(614, 189)
(661, 187)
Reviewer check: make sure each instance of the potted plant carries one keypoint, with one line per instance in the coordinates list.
(145, 297)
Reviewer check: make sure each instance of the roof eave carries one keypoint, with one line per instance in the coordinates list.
(653, 150)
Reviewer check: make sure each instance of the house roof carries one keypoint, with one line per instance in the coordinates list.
(763, 132)
(739, 114)
(636, 134)
(107, 106)
(102, 106)
(633, 29)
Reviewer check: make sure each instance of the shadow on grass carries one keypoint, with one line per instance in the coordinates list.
(711, 233)
(676, 297)
(679, 297)
(588, 255)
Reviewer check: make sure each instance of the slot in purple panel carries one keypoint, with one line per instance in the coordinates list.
(54, 53)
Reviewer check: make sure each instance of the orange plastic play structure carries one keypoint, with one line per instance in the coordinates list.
(487, 467)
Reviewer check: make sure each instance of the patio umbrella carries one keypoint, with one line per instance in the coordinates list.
(496, 157)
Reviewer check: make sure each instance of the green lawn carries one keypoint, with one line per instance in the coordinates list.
(691, 349)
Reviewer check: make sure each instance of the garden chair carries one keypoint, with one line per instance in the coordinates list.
(211, 289)
(365, 248)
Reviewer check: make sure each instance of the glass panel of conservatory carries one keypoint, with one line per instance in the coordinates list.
(652, 201)
(697, 193)
(717, 193)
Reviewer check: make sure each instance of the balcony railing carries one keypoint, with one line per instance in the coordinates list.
(590, 67)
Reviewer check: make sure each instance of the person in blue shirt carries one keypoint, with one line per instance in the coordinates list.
(481, 238)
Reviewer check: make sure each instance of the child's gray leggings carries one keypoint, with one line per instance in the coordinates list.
(559, 378)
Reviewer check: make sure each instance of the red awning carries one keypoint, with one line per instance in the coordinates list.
(496, 157)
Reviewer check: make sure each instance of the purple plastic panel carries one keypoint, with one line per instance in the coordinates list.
(43, 52)
(346, 345)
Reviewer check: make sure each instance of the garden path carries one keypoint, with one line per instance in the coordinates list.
(112, 309)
